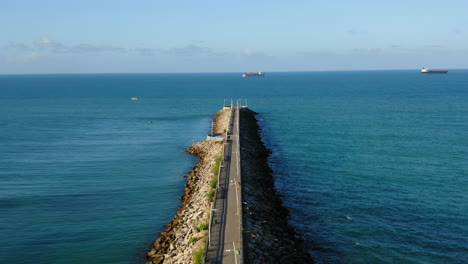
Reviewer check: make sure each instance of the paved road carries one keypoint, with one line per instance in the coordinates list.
(225, 230)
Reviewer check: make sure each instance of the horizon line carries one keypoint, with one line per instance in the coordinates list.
(236, 72)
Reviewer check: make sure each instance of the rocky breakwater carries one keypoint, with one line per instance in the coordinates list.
(186, 232)
(268, 236)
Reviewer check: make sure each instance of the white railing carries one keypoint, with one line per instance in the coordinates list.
(241, 247)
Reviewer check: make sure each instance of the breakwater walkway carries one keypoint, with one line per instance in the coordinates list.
(247, 222)
(224, 243)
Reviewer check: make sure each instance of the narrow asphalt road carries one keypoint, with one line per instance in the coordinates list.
(225, 238)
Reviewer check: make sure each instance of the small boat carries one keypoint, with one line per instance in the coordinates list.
(426, 70)
(134, 98)
(253, 74)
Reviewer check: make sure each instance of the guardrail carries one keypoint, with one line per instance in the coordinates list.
(241, 249)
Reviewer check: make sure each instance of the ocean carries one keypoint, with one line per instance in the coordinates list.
(372, 164)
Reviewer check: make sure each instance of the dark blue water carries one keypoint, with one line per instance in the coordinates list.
(373, 165)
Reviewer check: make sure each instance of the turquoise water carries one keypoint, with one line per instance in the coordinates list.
(371, 164)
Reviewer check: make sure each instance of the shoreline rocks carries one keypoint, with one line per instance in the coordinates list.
(181, 237)
(268, 236)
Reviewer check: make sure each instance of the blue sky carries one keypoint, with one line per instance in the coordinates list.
(101, 36)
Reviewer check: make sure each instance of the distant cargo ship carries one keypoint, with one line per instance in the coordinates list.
(426, 70)
(253, 74)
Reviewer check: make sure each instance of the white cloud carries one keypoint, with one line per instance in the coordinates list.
(83, 48)
(43, 42)
(46, 43)
(18, 46)
(193, 50)
(189, 50)
(366, 51)
(91, 48)
(24, 58)
(249, 52)
(144, 51)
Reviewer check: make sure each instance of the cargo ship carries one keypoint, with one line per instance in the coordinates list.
(253, 74)
(426, 70)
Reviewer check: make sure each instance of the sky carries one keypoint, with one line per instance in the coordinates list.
(153, 36)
